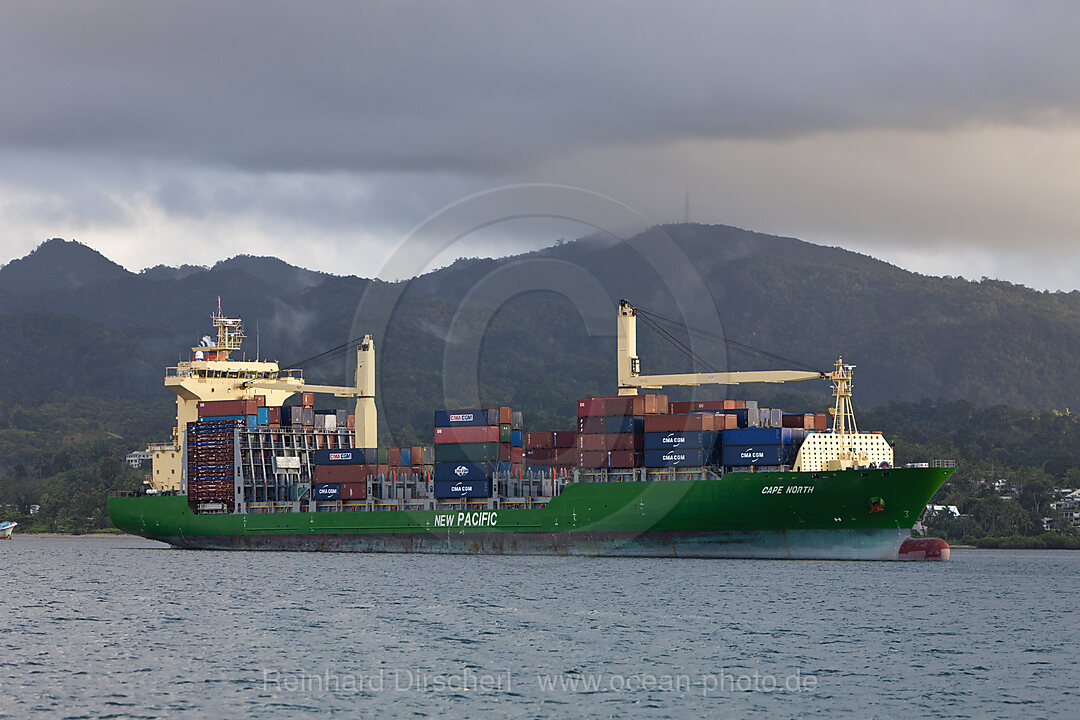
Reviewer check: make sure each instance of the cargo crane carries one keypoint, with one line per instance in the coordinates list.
(213, 374)
(843, 448)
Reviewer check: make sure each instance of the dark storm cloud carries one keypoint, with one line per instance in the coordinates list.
(479, 88)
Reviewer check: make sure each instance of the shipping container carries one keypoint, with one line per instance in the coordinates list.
(756, 436)
(623, 441)
(470, 417)
(273, 415)
(681, 440)
(466, 452)
(593, 459)
(592, 424)
(464, 470)
(308, 415)
(325, 491)
(343, 473)
(223, 408)
(260, 401)
(482, 434)
(515, 438)
(623, 459)
(516, 420)
(535, 440)
(506, 434)
(566, 438)
(763, 454)
(354, 490)
(308, 400)
(593, 407)
(821, 422)
(517, 455)
(505, 416)
(694, 422)
(591, 442)
(342, 418)
(394, 457)
(688, 457)
(448, 489)
(624, 424)
(427, 455)
(347, 456)
(405, 457)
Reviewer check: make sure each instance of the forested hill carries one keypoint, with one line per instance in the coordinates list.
(78, 326)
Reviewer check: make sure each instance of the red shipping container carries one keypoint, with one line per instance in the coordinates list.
(691, 422)
(567, 456)
(343, 473)
(273, 415)
(566, 438)
(593, 407)
(591, 424)
(622, 459)
(354, 490)
(505, 416)
(394, 457)
(517, 455)
(590, 441)
(656, 404)
(594, 459)
(504, 452)
(623, 441)
(681, 408)
(350, 422)
(260, 401)
(307, 400)
(540, 455)
(821, 422)
(224, 408)
(792, 421)
(416, 453)
(730, 422)
(535, 440)
(808, 421)
(477, 434)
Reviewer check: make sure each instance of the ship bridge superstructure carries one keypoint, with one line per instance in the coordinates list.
(212, 373)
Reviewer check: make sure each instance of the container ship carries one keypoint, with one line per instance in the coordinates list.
(638, 476)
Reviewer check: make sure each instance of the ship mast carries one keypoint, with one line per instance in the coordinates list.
(843, 414)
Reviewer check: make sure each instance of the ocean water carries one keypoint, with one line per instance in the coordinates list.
(117, 627)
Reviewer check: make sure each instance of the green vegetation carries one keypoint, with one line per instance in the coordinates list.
(1011, 464)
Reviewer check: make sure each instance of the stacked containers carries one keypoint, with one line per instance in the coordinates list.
(769, 447)
(342, 474)
(689, 440)
(611, 429)
(556, 448)
(211, 458)
(471, 445)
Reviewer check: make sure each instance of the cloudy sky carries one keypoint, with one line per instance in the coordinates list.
(944, 137)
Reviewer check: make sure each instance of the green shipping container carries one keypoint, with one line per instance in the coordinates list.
(467, 452)
(384, 456)
(506, 434)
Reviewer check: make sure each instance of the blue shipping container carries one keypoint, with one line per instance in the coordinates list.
(462, 489)
(680, 440)
(464, 471)
(515, 438)
(347, 456)
(757, 436)
(690, 457)
(743, 455)
(326, 491)
(264, 416)
(406, 456)
(614, 424)
(463, 418)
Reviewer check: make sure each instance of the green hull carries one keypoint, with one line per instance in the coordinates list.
(771, 515)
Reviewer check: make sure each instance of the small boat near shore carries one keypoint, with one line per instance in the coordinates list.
(5, 530)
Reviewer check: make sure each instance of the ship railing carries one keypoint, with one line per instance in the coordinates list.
(524, 503)
(162, 447)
